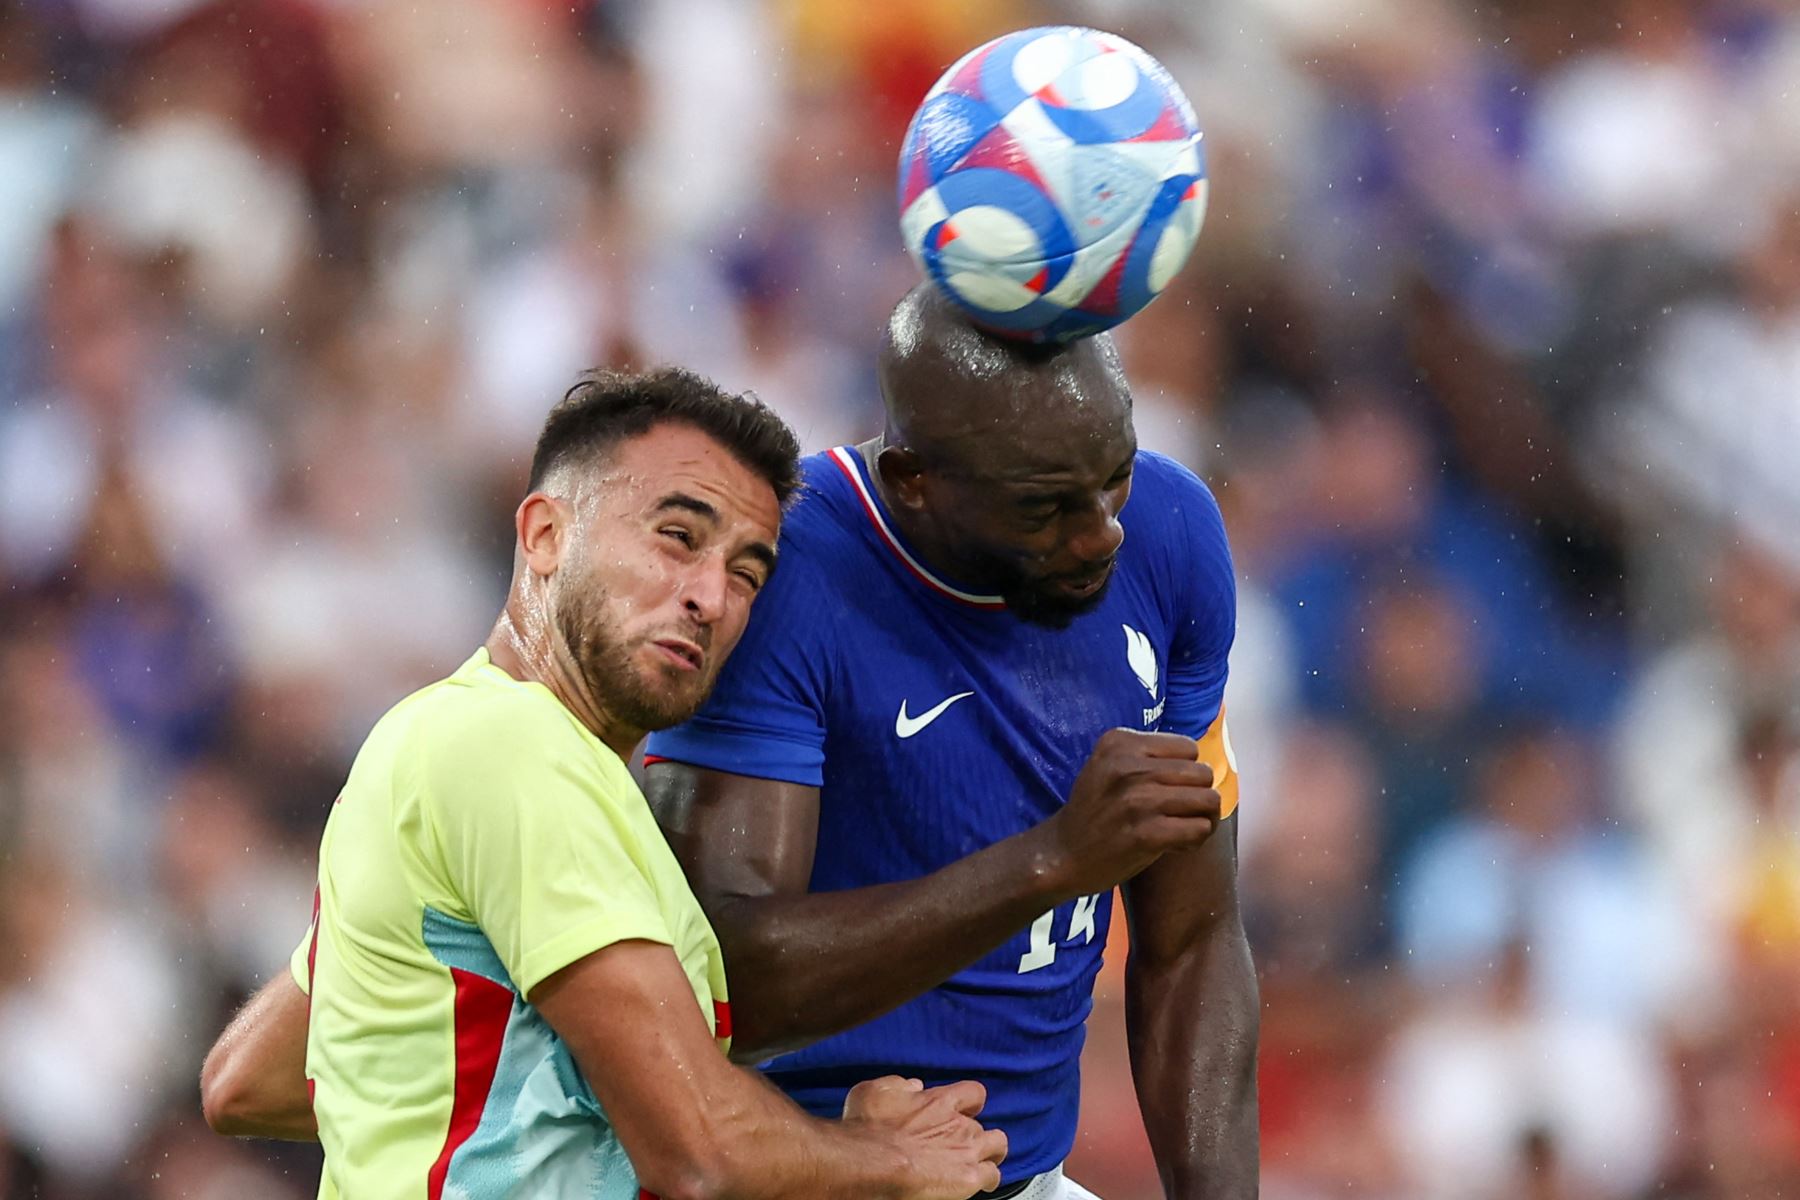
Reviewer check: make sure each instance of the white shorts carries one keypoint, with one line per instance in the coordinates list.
(1054, 1185)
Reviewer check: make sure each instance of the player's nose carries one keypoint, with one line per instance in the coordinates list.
(1096, 537)
(706, 590)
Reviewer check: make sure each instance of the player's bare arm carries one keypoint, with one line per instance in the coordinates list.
(696, 1127)
(1191, 1009)
(254, 1080)
(806, 965)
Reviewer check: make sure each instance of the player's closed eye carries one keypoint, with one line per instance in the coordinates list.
(678, 534)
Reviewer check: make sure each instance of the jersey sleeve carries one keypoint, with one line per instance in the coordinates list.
(1205, 586)
(766, 715)
(300, 961)
(531, 844)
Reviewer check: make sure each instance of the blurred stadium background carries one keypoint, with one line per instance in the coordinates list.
(1491, 350)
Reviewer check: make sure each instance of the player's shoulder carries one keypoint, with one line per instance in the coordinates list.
(477, 717)
(819, 539)
(819, 519)
(1175, 545)
(1166, 477)
(1170, 503)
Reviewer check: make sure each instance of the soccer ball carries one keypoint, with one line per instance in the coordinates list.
(1052, 182)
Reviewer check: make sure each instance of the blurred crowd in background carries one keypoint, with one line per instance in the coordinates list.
(1490, 350)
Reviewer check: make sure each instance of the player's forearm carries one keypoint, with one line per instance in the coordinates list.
(773, 1150)
(1193, 1024)
(253, 1083)
(252, 1116)
(842, 1162)
(803, 967)
(238, 1102)
(739, 1138)
(697, 1128)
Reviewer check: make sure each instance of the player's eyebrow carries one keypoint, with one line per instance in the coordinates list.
(761, 551)
(687, 503)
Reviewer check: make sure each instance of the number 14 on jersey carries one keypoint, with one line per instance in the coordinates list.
(1043, 947)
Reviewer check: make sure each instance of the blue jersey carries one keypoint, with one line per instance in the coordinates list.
(935, 723)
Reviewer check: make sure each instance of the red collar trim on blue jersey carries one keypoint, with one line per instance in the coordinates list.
(850, 463)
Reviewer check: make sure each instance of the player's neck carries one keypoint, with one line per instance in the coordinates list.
(534, 656)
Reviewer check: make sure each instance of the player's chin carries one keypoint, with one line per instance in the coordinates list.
(1055, 603)
(676, 692)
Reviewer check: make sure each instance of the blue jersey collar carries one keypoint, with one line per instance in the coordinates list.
(856, 471)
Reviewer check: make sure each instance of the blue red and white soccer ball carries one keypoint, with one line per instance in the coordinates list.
(1052, 182)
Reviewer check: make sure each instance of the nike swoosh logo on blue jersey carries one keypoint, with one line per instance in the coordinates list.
(905, 726)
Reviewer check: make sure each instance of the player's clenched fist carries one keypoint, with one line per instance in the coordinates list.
(1139, 796)
(946, 1154)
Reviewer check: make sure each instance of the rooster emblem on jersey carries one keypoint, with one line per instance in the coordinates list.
(1142, 657)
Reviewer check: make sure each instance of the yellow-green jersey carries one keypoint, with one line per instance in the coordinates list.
(485, 839)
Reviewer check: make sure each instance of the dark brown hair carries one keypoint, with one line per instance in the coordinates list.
(606, 407)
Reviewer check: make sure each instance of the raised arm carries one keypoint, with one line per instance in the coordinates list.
(803, 966)
(695, 1127)
(1191, 1017)
(254, 1080)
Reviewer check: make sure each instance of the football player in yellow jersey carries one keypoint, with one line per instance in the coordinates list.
(508, 989)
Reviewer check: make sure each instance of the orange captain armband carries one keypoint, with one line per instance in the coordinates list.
(1216, 752)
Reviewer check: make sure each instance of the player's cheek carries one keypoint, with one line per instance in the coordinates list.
(1032, 553)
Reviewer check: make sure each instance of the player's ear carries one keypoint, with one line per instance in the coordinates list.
(543, 527)
(903, 472)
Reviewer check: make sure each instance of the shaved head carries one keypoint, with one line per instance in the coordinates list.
(951, 390)
(1006, 462)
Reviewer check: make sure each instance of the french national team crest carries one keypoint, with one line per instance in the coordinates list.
(1141, 656)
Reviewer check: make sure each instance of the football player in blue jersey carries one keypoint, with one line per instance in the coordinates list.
(981, 691)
